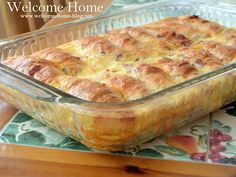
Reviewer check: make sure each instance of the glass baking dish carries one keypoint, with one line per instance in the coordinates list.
(117, 126)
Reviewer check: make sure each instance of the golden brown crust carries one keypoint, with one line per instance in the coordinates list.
(145, 37)
(153, 75)
(46, 71)
(187, 30)
(201, 57)
(47, 74)
(127, 86)
(170, 36)
(32, 66)
(230, 36)
(137, 32)
(224, 52)
(100, 45)
(202, 24)
(191, 26)
(68, 63)
(86, 89)
(126, 41)
(178, 68)
(90, 90)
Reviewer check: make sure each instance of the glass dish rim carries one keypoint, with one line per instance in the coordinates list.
(18, 38)
(64, 97)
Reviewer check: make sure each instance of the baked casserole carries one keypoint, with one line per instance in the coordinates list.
(132, 63)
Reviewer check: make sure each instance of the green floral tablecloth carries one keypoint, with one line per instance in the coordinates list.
(192, 142)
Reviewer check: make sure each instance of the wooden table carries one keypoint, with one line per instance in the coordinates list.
(33, 162)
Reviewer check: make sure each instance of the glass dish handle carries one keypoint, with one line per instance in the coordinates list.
(228, 4)
(26, 85)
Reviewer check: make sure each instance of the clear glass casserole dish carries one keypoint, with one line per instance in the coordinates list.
(117, 126)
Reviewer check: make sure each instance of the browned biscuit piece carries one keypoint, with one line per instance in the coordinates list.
(68, 63)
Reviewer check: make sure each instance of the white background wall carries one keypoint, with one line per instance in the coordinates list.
(2, 31)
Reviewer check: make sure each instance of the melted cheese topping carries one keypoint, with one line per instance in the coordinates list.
(137, 61)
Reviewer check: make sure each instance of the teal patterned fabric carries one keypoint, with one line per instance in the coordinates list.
(188, 143)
